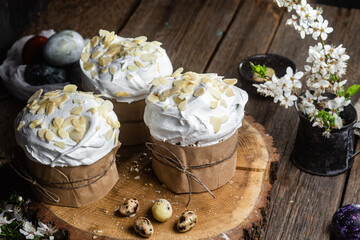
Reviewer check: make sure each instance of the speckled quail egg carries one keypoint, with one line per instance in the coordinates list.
(63, 48)
(161, 210)
(130, 207)
(143, 227)
(186, 221)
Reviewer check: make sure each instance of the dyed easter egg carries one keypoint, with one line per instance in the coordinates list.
(346, 222)
(33, 50)
(63, 48)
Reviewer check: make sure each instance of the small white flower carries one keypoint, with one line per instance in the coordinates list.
(321, 28)
(326, 134)
(45, 229)
(29, 231)
(4, 221)
(288, 99)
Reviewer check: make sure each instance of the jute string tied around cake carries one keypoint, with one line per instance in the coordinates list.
(173, 161)
(40, 185)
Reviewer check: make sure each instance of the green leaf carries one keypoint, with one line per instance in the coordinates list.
(341, 92)
(258, 69)
(352, 90)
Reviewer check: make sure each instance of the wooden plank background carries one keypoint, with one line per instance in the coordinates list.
(214, 36)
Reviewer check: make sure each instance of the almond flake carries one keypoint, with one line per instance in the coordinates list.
(41, 133)
(20, 125)
(88, 66)
(155, 82)
(177, 99)
(49, 136)
(41, 109)
(182, 106)
(163, 80)
(215, 93)
(103, 32)
(177, 72)
(223, 103)
(112, 52)
(122, 94)
(36, 95)
(94, 41)
(81, 130)
(140, 39)
(148, 57)
(95, 54)
(153, 98)
(216, 122)
(60, 145)
(194, 77)
(115, 138)
(67, 121)
(198, 92)
(62, 133)
(70, 88)
(104, 70)
(76, 123)
(166, 93)
(85, 56)
(180, 83)
(129, 77)
(107, 105)
(94, 73)
(174, 90)
(139, 64)
(93, 110)
(109, 38)
(132, 68)
(75, 135)
(35, 123)
(206, 80)
(76, 110)
(50, 108)
(108, 135)
(229, 92)
(230, 81)
(113, 70)
(117, 124)
(58, 121)
(148, 47)
(78, 101)
(165, 107)
(103, 61)
(213, 104)
(188, 89)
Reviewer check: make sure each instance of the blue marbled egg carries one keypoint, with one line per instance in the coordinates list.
(346, 222)
(63, 48)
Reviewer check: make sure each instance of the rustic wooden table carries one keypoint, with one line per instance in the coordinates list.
(214, 36)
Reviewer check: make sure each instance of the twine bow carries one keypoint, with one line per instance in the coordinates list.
(173, 161)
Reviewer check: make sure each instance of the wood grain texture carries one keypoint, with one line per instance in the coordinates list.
(83, 16)
(238, 204)
(352, 192)
(187, 29)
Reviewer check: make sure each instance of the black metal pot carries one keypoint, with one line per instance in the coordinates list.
(322, 156)
(274, 61)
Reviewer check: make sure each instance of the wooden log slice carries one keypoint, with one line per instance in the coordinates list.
(240, 209)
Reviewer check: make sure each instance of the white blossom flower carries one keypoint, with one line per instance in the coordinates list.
(4, 221)
(29, 231)
(321, 28)
(288, 99)
(45, 229)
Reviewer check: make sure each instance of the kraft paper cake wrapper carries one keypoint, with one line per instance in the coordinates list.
(88, 183)
(131, 117)
(212, 177)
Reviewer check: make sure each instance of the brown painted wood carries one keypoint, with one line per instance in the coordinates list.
(187, 29)
(85, 17)
(238, 204)
(352, 192)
